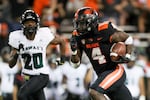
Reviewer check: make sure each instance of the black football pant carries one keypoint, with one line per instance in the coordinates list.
(33, 88)
(111, 82)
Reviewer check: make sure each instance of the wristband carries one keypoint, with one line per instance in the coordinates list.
(142, 97)
(75, 65)
(113, 54)
(74, 52)
(128, 55)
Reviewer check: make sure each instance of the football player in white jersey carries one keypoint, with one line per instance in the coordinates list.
(76, 81)
(54, 90)
(29, 44)
(7, 75)
(135, 80)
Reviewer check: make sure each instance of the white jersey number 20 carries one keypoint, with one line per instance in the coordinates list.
(33, 61)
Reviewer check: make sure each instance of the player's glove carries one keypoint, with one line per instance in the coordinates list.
(18, 51)
(20, 47)
(124, 59)
(73, 45)
(60, 61)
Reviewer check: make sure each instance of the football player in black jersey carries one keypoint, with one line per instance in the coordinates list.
(96, 39)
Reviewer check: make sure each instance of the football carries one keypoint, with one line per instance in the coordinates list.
(117, 50)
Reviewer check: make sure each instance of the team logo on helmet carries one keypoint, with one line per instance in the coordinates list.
(30, 15)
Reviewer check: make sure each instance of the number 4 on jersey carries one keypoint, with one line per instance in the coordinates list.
(97, 55)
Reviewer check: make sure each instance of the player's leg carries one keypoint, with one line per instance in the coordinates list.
(121, 93)
(96, 91)
(23, 94)
(124, 95)
(33, 85)
(39, 95)
(108, 82)
(118, 91)
(95, 95)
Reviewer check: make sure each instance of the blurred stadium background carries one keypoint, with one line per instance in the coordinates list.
(132, 16)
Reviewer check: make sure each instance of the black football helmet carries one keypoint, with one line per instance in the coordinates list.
(85, 19)
(30, 15)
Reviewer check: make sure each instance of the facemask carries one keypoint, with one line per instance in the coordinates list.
(30, 30)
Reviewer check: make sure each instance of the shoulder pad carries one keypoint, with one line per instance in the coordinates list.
(46, 34)
(103, 26)
(14, 38)
(45, 29)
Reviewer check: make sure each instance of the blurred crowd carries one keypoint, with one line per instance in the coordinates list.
(58, 15)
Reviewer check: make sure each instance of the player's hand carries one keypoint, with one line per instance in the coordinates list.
(73, 44)
(60, 61)
(125, 59)
(20, 46)
(122, 59)
(18, 51)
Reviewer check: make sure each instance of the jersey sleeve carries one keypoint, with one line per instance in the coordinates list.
(107, 26)
(13, 40)
(107, 29)
(48, 35)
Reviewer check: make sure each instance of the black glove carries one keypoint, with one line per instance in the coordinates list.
(18, 51)
(73, 44)
(122, 59)
(20, 47)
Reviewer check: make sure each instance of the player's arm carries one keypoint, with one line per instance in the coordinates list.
(120, 36)
(60, 41)
(12, 60)
(88, 77)
(76, 52)
(142, 89)
(15, 92)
